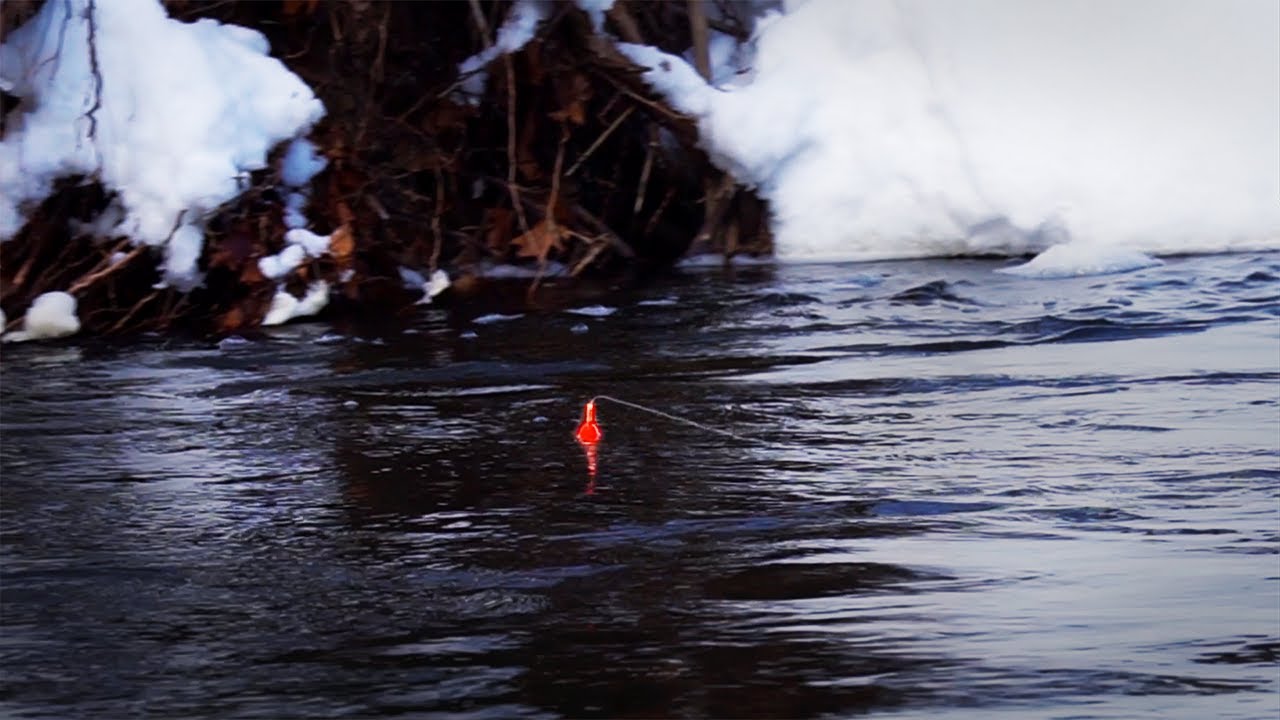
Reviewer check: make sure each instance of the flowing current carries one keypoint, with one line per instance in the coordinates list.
(966, 494)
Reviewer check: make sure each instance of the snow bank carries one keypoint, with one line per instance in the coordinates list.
(52, 315)
(1082, 258)
(299, 165)
(438, 283)
(882, 129)
(278, 265)
(285, 307)
(300, 244)
(169, 115)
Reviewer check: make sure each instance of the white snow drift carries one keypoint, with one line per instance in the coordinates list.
(52, 315)
(169, 115)
(889, 129)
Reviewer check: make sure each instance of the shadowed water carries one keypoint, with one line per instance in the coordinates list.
(964, 494)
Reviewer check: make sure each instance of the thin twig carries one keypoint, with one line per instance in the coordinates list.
(376, 206)
(481, 23)
(44, 281)
(605, 232)
(657, 106)
(644, 178)
(698, 31)
(107, 254)
(552, 227)
(627, 26)
(598, 246)
(662, 207)
(134, 311)
(91, 12)
(437, 237)
(603, 136)
(377, 72)
(715, 203)
(511, 143)
(108, 271)
(21, 277)
(555, 176)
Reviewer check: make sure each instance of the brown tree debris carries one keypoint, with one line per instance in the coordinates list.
(568, 155)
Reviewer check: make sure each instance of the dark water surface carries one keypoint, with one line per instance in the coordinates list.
(973, 495)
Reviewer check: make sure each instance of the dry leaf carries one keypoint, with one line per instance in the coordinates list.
(573, 112)
(572, 92)
(541, 240)
(250, 274)
(342, 246)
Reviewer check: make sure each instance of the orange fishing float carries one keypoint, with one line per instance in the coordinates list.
(588, 431)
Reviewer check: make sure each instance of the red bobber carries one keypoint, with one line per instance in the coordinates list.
(588, 431)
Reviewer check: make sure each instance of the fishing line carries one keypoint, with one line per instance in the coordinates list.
(677, 418)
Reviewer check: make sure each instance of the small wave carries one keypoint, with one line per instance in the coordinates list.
(1131, 428)
(807, 580)
(929, 293)
(1248, 653)
(1257, 277)
(781, 300)
(1086, 515)
(890, 508)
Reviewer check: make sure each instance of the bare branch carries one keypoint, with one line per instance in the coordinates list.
(91, 13)
(698, 29)
(511, 143)
(607, 132)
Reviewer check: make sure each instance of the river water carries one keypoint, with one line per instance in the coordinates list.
(956, 493)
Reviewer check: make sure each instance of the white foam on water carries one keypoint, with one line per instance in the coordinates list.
(598, 311)
(495, 318)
